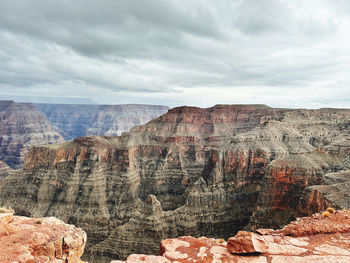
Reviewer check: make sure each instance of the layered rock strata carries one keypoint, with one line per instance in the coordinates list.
(21, 127)
(191, 171)
(39, 240)
(333, 192)
(316, 239)
(73, 120)
(4, 170)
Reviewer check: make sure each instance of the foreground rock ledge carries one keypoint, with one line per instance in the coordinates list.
(311, 239)
(39, 240)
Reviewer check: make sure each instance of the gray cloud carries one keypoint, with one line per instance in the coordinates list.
(200, 52)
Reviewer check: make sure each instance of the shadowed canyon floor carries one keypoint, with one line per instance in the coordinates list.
(192, 171)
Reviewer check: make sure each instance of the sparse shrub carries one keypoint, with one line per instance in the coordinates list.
(326, 214)
(330, 210)
(221, 240)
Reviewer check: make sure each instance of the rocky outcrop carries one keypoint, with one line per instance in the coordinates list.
(24, 239)
(191, 171)
(333, 192)
(315, 239)
(22, 126)
(4, 170)
(74, 120)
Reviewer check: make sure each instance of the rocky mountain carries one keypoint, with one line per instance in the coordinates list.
(21, 127)
(191, 171)
(74, 120)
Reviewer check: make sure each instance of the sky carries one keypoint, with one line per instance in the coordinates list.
(177, 52)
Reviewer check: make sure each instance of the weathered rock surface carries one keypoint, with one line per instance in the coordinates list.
(246, 242)
(4, 170)
(191, 171)
(21, 127)
(316, 239)
(39, 240)
(73, 120)
(333, 192)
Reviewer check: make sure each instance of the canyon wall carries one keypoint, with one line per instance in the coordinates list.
(191, 171)
(73, 120)
(4, 170)
(21, 127)
(24, 125)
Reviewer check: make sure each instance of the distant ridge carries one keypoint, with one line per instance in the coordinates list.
(51, 100)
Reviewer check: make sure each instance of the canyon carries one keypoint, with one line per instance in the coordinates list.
(75, 120)
(319, 238)
(21, 127)
(24, 125)
(190, 172)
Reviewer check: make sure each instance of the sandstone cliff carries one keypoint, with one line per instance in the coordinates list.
(317, 239)
(191, 171)
(21, 127)
(39, 240)
(73, 121)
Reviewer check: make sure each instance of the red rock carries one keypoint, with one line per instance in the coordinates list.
(330, 243)
(246, 242)
(149, 259)
(264, 231)
(40, 240)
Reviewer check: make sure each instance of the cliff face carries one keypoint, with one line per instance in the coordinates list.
(4, 170)
(316, 239)
(73, 121)
(39, 240)
(21, 127)
(191, 171)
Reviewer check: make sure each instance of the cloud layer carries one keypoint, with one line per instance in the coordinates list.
(199, 52)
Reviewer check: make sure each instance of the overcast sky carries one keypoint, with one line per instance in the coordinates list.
(178, 52)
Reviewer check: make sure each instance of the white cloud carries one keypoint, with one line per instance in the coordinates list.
(277, 52)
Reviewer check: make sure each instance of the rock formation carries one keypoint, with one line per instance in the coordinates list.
(4, 170)
(21, 127)
(333, 192)
(191, 171)
(317, 239)
(73, 120)
(39, 240)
